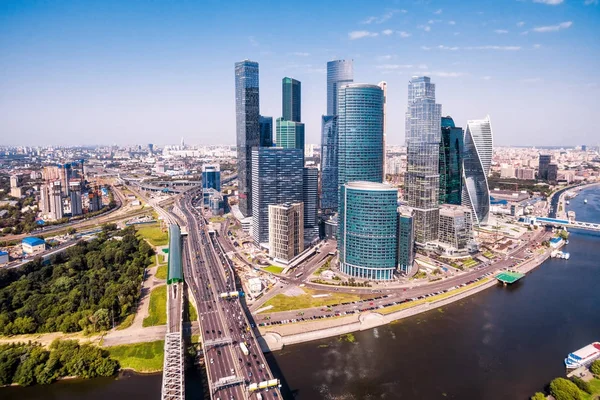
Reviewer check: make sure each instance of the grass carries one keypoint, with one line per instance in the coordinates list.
(191, 312)
(323, 267)
(154, 234)
(281, 302)
(161, 272)
(419, 275)
(469, 263)
(489, 254)
(403, 306)
(141, 357)
(274, 269)
(126, 322)
(216, 219)
(158, 307)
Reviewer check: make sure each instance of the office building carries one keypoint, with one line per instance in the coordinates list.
(310, 196)
(360, 133)
(211, 179)
(552, 173)
(266, 131)
(545, 160)
(329, 164)
(451, 154)
(291, 99)
(423, 135)
(476, 168)
(383, 86)
(406, 240)
(56, 206)
(286, 231)
(75, 197)
(290, 134)
(247, 128)
(368, 230)
(339, 73)
(455, 227)
(277, 178)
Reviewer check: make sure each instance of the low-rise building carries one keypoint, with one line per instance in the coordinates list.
(33, 245)
(3, 257)
(254, 285)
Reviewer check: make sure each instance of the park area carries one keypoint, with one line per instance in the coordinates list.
(297, 299)
(153, 234)
(141, 357)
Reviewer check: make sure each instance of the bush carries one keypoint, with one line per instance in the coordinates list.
(581, 384)
(595, 367)
(563, 389)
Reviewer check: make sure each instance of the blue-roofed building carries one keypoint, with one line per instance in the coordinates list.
(3, 257)
(33, 245)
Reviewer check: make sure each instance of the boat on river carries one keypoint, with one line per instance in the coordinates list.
(584, 356)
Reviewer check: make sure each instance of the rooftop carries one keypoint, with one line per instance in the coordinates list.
(33, 241)
(509, 276)
(369, 186)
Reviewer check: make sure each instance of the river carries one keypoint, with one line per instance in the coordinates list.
(503, 343)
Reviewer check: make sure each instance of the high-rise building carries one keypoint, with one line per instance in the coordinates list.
(277, 178)
(247, 128)
(406, 240)
(368, 230)
(477, 161)
(329, 164)
(545, 160)
(310, 196)
(383, 86)
(211, 179)
(552, 173)
(45, 203)
(422, 180)
(290, 134)
(451, 153)
(360, 133)
(56, 201)
(291, 99)
(266, 131)
(75, 197)
(455, 227)
(286, 231)
(339, 72)
(15, 186)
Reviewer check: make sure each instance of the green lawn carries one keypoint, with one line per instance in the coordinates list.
(489, 255)
(141, 357)
(161, 272)
(158, 307)
(274, 269)
(281, 302)
(154, 234)
(191, 311)
(126, 322)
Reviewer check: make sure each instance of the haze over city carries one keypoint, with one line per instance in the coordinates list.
(152, 72)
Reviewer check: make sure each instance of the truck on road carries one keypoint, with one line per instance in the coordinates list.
(244, 349)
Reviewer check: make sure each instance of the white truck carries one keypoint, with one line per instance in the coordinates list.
(244, 349)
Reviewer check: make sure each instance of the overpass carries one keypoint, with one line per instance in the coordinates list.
(590, 226)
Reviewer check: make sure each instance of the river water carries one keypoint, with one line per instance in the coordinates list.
(503, 343)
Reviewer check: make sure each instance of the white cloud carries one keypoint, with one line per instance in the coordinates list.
(524, 33)
(553, 28)
(381, 19)
(385, 57)
(549, 2)
(537, 46)
(387, 32)
(451, 22)
(442, 47)
(438, 12)
(426, 28)
(253, 41)
(486, 78)
(520, 23)
(422, 66)
(500, 31)
(300, 54)
(501, 48)
(442, 74)
(393, 66)
(590, 2)
(404, 34)
(531, 80)
(361, 34)
(425, 48)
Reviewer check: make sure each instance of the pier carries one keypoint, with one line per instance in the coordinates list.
(509, 277)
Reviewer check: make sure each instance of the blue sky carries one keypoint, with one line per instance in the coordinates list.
(128, 72)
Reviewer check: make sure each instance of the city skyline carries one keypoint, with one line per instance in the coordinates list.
(136, 74)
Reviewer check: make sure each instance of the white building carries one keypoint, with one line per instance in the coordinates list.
(286, 231)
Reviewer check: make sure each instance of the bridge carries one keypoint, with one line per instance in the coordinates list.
(590, 226)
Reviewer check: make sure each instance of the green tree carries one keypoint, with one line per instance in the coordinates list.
(563, 389)
(538, 396)
(581, 384)
(595, 367)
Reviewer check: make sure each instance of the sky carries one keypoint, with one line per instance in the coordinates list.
(136, 72)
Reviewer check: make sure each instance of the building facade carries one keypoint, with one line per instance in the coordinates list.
(451, 154)
(383, 86)
(291, 99)
(545, 160)
(310, 196)
(339, 72)
(455, 227)
(552, 173)
(329, 164)
(476, 168)
(360, 133)
(266, 131)
(211, 179)
(290, 134)
(56, 207)
(423, 135)
(368, 230)
(75, 198)
(286, 231)
(247, 128)
(277, 178)
(406, 240)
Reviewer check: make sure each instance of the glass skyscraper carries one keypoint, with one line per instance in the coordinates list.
(339, 72)
(329, 163)
(406, 241)
(476, 168)
(360, 133)
(422, 181)
(266, 131)
(277, 178)
(451, 160)
(211, 179)
(310, 197)
(247, 128)
(291, 99)
(368, 230)
(290, 134)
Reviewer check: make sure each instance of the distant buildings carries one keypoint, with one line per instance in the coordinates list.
(476, 168)
(247, 128)
(552, 173)
(451, 162)
(15, 186)
(286, 231)
(211, 179)
(544, 162)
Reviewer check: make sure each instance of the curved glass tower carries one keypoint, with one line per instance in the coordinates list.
(451, 157)
(339, 72)
(368, 230)
(476, 168)
(360, 133)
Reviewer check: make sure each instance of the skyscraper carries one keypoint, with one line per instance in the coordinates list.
(211, 179)
(406, 240)
(310, 196)
(56, 201)
(247, 128)
(291, 99)
(476, 168)
(75, 197)
(266, 131)
(290, 134)
(368, 230)
(383, 86)
(329, 163)
(544, 161)
(339, 72)
(422, 181)
(277, 178)
(360, 133)
(451, 157)
(286, 231)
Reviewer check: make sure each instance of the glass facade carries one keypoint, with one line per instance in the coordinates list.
(360, 133)
(211, 179)
(310, 197)
(290, 135)
(544, 162)
(422, 181)
(476, 168)
(368, 230)
(247, 128)
(406, 242)
(329, 163)
(291, 99)
(451, 154)
(277, 178)
(266, 131)
(339, 72)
